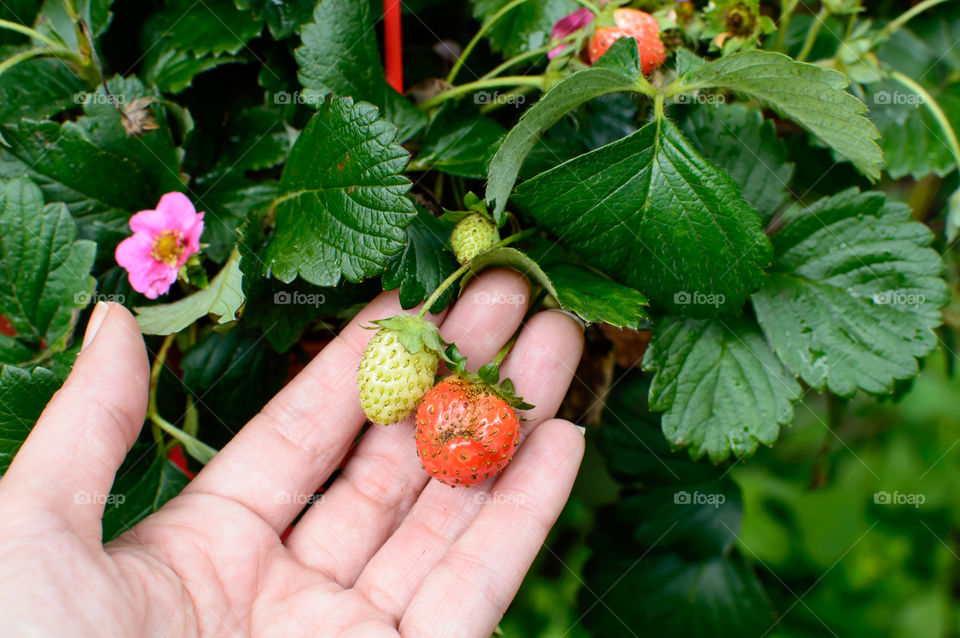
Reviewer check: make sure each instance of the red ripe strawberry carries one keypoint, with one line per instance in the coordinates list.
(638, 24)
(465, 432)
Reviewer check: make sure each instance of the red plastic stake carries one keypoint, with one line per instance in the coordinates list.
(393, 43)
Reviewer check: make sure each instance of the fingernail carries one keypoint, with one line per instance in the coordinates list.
(582, 429)
(93, 326)
(576, 318)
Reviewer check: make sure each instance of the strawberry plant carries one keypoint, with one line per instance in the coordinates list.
(751, 206)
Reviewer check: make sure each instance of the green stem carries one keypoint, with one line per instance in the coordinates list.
(505, 350)
(155, 371)
(497, 70)
(33, 33)
(23, 56)
(909, 14)
(197, 449)
(658, 106)
(535, 81)
(935, 110)
(446, 283)
(510, 6)
(71, 9)
(505, 98)
(194, 447)
(786, 13)
(812, 34)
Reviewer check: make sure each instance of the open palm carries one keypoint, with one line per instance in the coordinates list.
(384, 552)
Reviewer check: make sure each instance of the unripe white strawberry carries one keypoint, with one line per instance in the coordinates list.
(472, 235)
(392, 380)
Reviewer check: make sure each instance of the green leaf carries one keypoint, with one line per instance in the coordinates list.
(696, 518)
(283, 18)
(339, 54)
(855, 294)
(233, 374)
(23, 395)
(555, 103)
(719, 385)
(738, 140)
(342, 206)
(458, 142)
(596, 298)
(282, 312)
(651, 211)
(44, 269)
(667, 594)
(811, 95)
(173, 71)
(93, 166)
(222, 298)
(144, 482)
(258, 140)
(36, 89)
(201, 28)
(20, 11)
(186, 38)
(525, 27)
(591, 296)
(227, 198)
(912, 140)
(424, 263)
(55, 20)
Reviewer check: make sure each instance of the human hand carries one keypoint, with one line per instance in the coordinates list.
(385, 552)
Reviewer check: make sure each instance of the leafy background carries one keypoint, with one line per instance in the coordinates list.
(802, 207)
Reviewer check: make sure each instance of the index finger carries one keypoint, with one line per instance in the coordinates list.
(277, 461)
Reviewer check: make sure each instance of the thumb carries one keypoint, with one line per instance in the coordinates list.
(68, 462)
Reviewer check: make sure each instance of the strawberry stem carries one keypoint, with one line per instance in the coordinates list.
(456, 274)
(535, 81)
(813, 33)
(909, 14)
(504, 10)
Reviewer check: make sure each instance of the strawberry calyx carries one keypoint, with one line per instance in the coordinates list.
(414, 333)
(487, 377)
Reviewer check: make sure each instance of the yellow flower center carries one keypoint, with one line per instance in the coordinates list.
(167, 247)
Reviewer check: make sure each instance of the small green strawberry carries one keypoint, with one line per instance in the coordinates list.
(472, 235)
(397, 368)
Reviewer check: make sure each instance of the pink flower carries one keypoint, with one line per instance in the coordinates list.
(567, 25)
(162, 241)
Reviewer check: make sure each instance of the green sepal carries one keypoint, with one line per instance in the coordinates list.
(472, 204)
(414, 333)
(487, 377)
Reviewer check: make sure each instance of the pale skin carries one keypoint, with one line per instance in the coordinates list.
(386, 552)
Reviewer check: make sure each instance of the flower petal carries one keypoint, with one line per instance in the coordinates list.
(152, 222)
(133, 253)
(178, 210)
(191, 240)
(155, 281)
